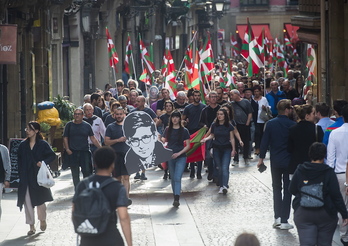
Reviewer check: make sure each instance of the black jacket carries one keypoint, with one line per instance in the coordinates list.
(315, 173)
(301, 137)
(27, 168)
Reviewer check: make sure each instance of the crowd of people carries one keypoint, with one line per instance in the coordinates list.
(296, 132)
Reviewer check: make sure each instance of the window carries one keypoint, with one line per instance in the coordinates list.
(254, 3)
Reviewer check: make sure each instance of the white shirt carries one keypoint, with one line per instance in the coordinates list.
(99, 129)
(262, 101)
(337, 149)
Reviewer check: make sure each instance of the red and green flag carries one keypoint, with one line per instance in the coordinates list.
(113, 57)
(128, 58)
(250, 51)
(311, 66)
(235, 50)
(206, 59)
(170, 78)
(188, 60)
(146, 57)
(197, 150)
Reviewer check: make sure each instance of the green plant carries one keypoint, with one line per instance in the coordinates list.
(65, 108)
(45, 127)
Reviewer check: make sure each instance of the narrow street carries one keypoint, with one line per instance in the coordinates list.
(203, 218)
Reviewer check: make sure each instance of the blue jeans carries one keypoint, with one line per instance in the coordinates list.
(222, 158)
(176, 169)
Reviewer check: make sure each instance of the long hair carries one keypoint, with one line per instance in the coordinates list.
(230, 110)
(175, 113)
(34, 125)
(226, 120)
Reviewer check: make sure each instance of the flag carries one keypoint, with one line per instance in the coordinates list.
(170, 78)
(250, 51)
(146, 57)
(206, 60)
(261, 45)
(188, 59)
(164, 64)
(197, 150)
(145, 77)
(127, 61)
(287, 42)
(113, 57)
(311, 66)
(235, 50)
(230, 79)
(282, 64)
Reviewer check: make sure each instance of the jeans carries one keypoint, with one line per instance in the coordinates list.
(80, 159)
(222, 158)
(314, 226)
(281, 202)
(209, 160)
(176, 169)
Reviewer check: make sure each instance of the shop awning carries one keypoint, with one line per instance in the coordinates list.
(257, 29)
(292, 32)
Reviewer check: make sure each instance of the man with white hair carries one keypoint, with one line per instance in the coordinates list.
(242, 115)
(180, 102)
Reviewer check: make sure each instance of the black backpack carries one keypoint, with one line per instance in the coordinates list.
(92, 209)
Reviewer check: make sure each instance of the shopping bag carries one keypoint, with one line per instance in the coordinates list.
(44, 176)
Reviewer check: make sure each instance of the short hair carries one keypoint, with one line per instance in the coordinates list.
(196, 92)
(114, 104)
(345, 113)
(181, 94)
(212, 93)
(283, 104)
(87, 105)
(104, 157)
(323, 109)
(164, 89)
(135, 91)
(107, 93)
(78, 109)
(135, 82)
(87, 97)
(235, 91)
(106, 86)
(257, 87)
(338, 105)
(122, 98)
(247, 239)
(138, 119)
(119, 82)
(95, 96)
(317, 151)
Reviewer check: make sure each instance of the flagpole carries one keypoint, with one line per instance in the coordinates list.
(194, 35)
(134, 70)
(114, 73)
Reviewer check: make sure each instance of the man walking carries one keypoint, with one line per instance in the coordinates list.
(97, 124)
(75, 139)
(5, 170)
(275, 137)
(274, 96)
(337, 158)
(243, 116)
(115, 138)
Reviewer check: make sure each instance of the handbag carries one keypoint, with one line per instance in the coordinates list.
(44, 176)
(312, 196)
(266, 114)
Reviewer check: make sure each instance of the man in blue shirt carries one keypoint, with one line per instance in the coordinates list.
(274, 97)
(322, 113)
(337, 105)
(276, 136)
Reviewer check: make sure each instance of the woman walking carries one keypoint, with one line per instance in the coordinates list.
(223, 146)
(302, 135)
(31, 152)
(317, 199)
(161, 124)
(175, 134)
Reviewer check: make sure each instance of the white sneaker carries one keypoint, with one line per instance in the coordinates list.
(285, 226)
(224, 190)
(277, 222)
(221, 191)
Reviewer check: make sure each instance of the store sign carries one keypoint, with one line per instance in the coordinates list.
(8, 44)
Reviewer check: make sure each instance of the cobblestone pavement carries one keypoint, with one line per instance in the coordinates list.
(203, 218)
